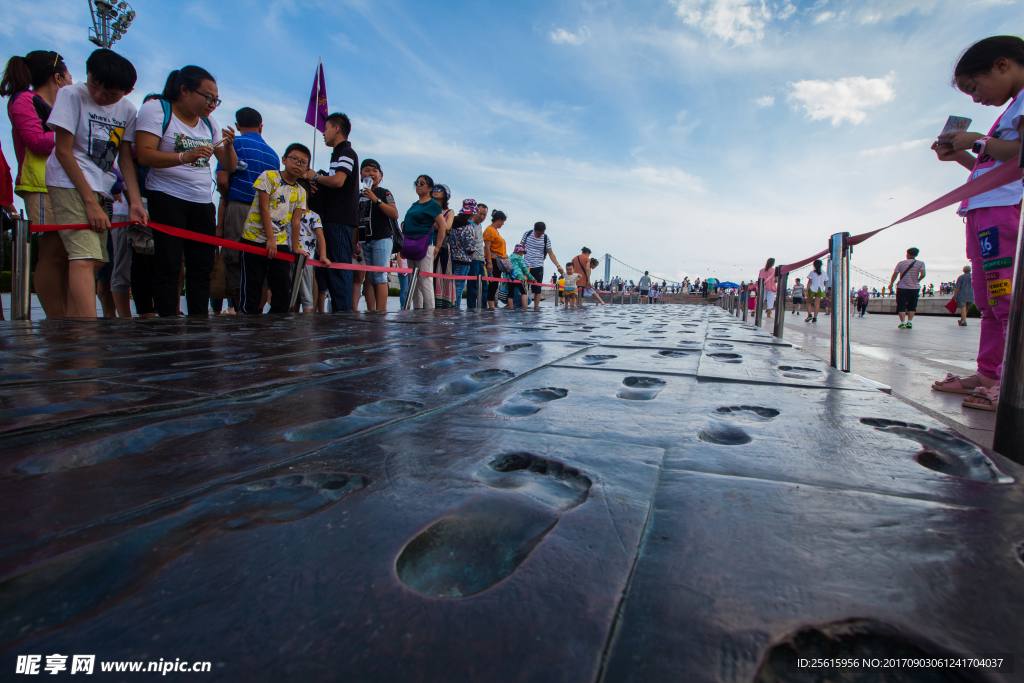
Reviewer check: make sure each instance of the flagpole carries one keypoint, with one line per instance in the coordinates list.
(316, 111)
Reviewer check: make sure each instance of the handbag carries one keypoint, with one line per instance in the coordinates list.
(951, 305)
(219, 278)
(140, 238)
(415, 248)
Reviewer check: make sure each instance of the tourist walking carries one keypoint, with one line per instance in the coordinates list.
(538, 247)
(176, 137)
(798, 296)
(816, 288)
(991, 72)
(963, 295)
(645, 287)
(909, 271)
(767, 274)
(31, 82)
(862, 300)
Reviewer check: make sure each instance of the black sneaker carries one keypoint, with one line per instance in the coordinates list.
(807, 319)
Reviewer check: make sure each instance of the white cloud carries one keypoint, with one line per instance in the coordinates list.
(560, 35)
(900, 147)
(786, 11)
(845, 99)
(766, 101)
(823, 17)
(736, 21)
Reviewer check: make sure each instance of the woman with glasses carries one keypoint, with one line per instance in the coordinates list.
(424, 217)
(175, 138)
(32, 83)
(444, 289)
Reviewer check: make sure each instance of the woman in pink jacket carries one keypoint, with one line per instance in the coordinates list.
(31, 82)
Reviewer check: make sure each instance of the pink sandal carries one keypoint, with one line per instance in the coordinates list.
(983, 399)
(957, 384)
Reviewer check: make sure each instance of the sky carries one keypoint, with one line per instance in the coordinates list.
(686, 137)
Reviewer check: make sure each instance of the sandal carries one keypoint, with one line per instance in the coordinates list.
(957, 384)
(983, 399)
(961, 323)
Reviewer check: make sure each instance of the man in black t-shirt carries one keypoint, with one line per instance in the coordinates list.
(339, 204)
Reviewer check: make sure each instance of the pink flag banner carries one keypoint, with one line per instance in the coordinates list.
(316, 113)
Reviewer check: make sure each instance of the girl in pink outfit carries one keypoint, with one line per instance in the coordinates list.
(992, 72)
(770, 286)
(32, 82)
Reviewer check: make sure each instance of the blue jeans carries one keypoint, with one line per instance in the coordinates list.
(339, 249)
(403, 288)
(459, 269)
(378, 253)
(475, 268)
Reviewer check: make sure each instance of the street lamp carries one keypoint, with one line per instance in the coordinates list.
(110, 21)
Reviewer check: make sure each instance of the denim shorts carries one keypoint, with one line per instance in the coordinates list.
(378, 253)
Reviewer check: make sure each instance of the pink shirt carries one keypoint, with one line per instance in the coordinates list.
(768, 275)
(27, 130)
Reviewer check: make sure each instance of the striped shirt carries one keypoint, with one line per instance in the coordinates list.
(536, 248)
(254, 157)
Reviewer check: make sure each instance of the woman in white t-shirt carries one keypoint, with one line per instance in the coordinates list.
(176, 138)
(817, 286)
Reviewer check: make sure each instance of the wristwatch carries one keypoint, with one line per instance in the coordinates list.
(979, 145)
(379, 200)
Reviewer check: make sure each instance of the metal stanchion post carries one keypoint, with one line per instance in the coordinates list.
(781, 280)
(300, 263)
(759, 303)
(21, 308)
(1009, 433)
(479, 291)
(412, 288)
(839, 251)
(744, 295)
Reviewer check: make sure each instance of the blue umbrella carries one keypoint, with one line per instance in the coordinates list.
(728, 285)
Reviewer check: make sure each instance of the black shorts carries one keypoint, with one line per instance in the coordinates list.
(906, 300)
(321, 279)
(645, 292)
(797, 300)
(538, 275)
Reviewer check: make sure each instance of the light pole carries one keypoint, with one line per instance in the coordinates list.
(110, 21)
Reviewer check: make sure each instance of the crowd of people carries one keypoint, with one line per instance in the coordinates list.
(86, 155)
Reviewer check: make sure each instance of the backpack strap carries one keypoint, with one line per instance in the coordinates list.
(166, 106)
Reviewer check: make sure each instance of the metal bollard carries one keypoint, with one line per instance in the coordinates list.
(21, 282)
(839, 355)
(300, 263)
(479, 291)
(744, 296)
(759, 303)
(412, 288)
(781, 280)
(1009, 433)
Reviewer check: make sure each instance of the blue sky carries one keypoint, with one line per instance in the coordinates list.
(689, 137)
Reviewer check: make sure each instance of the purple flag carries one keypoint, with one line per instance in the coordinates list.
(316, 113)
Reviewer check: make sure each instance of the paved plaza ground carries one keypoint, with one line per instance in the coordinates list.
(616, 494)
(907, 360)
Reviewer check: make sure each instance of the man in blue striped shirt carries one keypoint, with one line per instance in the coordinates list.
(254, 157)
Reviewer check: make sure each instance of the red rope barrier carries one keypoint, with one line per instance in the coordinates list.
(1004, 174)
(262, 251)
